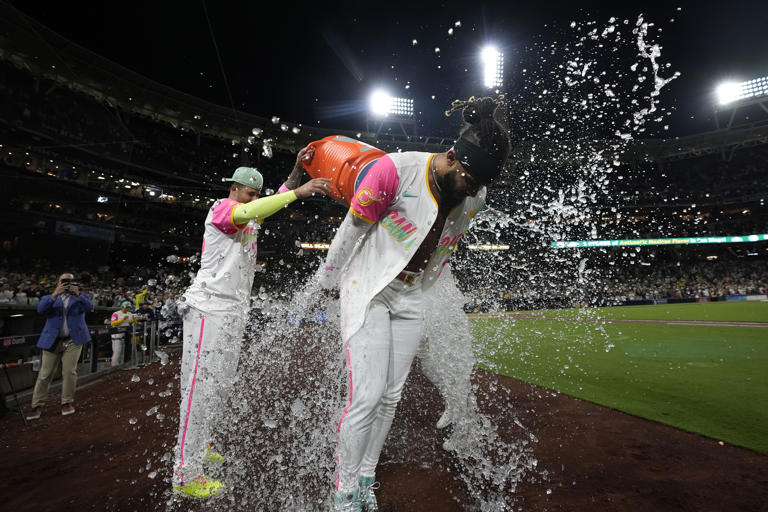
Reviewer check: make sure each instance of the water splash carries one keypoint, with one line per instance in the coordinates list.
(580, 109)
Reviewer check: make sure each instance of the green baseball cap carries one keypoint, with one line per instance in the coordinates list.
(247, 176)
(125, 304)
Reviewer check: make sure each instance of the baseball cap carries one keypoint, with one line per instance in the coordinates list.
(125, 304)
(247, 176)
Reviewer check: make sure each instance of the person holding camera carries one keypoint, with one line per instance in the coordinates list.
(63, 337)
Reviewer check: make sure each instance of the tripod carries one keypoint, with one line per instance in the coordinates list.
(13, 390)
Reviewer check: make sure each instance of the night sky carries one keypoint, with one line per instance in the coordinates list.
(319, 63)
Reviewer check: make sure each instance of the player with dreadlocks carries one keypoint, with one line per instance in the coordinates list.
(407, 213)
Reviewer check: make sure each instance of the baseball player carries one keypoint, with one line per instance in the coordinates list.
(446, 354)
(214, 310)
(121, 321)
(407, 215)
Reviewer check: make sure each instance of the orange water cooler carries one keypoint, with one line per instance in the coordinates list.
(343, 160)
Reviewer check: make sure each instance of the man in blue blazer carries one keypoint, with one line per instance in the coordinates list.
(63, 337)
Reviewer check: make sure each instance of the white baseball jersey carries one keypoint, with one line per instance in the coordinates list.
(227, 261)
(395, 195)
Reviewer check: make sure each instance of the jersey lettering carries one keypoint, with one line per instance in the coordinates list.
(397, 227)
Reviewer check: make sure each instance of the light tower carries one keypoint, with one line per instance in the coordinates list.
(386, 110)
(741, 113)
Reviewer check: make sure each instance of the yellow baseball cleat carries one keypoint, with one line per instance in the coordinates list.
(201, 488)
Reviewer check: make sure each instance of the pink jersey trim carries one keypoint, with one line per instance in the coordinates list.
(377, 190)
(283, 189)
(189, 400)
(223, 217)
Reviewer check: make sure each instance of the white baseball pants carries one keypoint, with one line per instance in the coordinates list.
(379, 357)
(118, 349)
(208, 368)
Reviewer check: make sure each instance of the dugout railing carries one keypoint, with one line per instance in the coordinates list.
(20, 357)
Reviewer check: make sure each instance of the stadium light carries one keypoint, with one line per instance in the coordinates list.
(382, 104)
(493, 66)
(728, 92)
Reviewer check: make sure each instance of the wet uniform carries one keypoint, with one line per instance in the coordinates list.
(408, 243)
(214, 311)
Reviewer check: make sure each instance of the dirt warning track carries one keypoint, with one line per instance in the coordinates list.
(112, 454)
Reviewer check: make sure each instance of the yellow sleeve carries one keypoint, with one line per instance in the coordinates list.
(139, 300)
(262, 208)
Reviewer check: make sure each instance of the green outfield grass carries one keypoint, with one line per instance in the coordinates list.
(703, 379)
(703, 311)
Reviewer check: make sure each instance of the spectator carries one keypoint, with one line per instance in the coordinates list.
(21, 295)
(63, 337)
(145, 312)
(6, 294)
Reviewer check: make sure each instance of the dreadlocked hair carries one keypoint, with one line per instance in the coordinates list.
(482, 128)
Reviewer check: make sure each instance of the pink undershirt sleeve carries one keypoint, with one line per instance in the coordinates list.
(222, 217)
(376, 192)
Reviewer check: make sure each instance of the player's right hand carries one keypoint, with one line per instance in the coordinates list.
(305, 156)
(319, 186)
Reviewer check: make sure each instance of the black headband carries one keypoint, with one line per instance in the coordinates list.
(477, 162)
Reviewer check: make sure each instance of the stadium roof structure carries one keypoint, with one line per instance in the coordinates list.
(30, 45)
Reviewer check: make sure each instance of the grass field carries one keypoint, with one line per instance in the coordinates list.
(711, 380)
(701, 311)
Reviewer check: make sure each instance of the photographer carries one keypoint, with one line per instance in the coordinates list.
(63, 337)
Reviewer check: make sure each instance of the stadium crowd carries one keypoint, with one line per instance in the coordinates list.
(704, 280)
(136, 149)
(615, 282)
(108, 287)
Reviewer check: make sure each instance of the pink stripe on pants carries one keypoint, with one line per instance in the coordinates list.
(189, 400)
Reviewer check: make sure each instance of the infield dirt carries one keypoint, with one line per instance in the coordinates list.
(590, 458)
